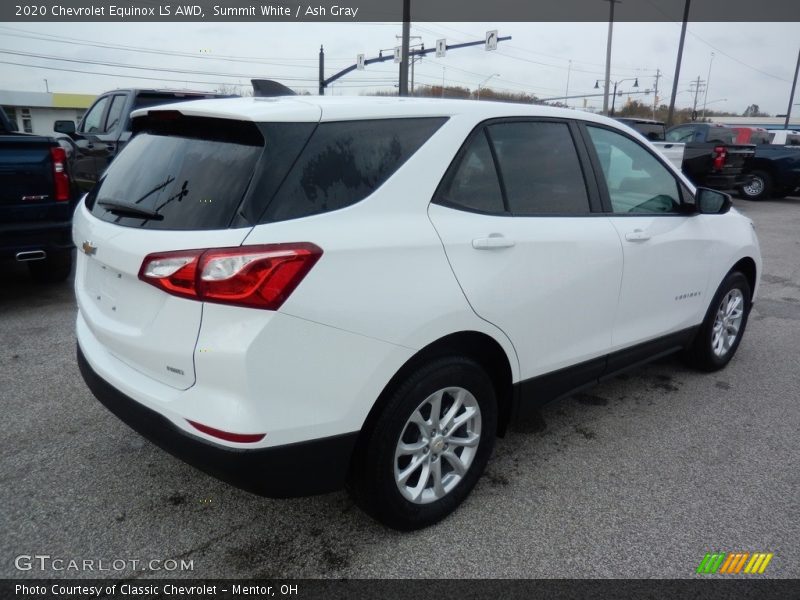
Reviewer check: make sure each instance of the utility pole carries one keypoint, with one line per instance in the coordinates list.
(655, 93)
(678, 64)
(403, 88)
(791, 96)
(321, 71)
(697, 86)
(566, 92)
(708, 84)
(608, 54)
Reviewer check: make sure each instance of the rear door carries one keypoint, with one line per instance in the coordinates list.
(191, 177)
(515, 215)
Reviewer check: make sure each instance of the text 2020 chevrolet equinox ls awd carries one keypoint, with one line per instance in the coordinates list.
(300, 294)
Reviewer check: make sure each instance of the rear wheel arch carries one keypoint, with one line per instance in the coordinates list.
(481, 348)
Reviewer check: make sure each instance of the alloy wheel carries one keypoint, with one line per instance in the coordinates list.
(728, 322)
(437, 445)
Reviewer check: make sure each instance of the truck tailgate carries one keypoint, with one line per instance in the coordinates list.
(26, 175)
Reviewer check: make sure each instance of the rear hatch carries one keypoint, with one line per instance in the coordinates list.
(178, 184)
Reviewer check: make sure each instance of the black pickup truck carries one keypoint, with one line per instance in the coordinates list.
(106, 128)
(37, 198)
(711, 158)
(775, 170)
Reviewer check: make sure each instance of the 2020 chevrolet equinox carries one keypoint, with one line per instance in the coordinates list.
(300, 294)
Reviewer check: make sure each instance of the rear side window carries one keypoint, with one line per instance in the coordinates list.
(190, 179)
(539, 168)
(344, 162)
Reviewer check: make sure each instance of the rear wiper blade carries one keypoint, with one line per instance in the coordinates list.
(121, 208)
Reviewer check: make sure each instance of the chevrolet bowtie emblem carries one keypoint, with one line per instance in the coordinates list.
(89, 248)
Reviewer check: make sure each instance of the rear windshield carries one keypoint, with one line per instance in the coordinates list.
(721, 135)
(176, 182)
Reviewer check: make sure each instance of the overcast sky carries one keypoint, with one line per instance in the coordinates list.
(753, 63)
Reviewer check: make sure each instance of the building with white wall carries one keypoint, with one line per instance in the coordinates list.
(35, 112)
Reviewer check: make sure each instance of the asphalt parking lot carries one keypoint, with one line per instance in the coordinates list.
(637, 477)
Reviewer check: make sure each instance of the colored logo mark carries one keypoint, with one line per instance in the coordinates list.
(734, 563)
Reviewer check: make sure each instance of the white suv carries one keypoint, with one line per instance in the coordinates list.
(298, 294)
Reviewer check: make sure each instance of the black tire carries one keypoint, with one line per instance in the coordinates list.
(760, 187)
(372, 481)
(53, 269)
(701, 354)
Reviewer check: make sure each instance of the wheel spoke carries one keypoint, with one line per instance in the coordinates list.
(404, 449)
(458, 465)
(458, 402)
(436, 476)
(425, 427)
(417, 490)
(470, 441)
(416, 462)
(436, 408)
(465, 416)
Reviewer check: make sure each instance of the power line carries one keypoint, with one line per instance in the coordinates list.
(177, 79)
(46, 37)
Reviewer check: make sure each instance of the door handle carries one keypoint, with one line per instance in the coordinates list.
(637, 235)
(495, 240)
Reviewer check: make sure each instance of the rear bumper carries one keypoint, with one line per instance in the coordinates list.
(38, 235)
(300, 469)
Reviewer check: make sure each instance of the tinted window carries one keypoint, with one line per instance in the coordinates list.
(185, 182)
(114, 112)
(637, 182)
(539, 168)
(473, 184)
(721, 135)
(680, 135)
(93, 121)
(344, 162)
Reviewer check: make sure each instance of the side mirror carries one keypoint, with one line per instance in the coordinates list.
(65, 127)
(712, 202)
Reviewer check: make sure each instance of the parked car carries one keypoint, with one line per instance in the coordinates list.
(655, 131)
(37, 198)
(106, 128)
(784, 137)
(301, 294)
(711, 155)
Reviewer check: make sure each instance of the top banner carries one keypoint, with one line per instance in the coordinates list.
(392, 11)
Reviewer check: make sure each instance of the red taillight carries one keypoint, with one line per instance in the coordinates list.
(719, 156)
(58, 157)
(241, 438)
(253, 276)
